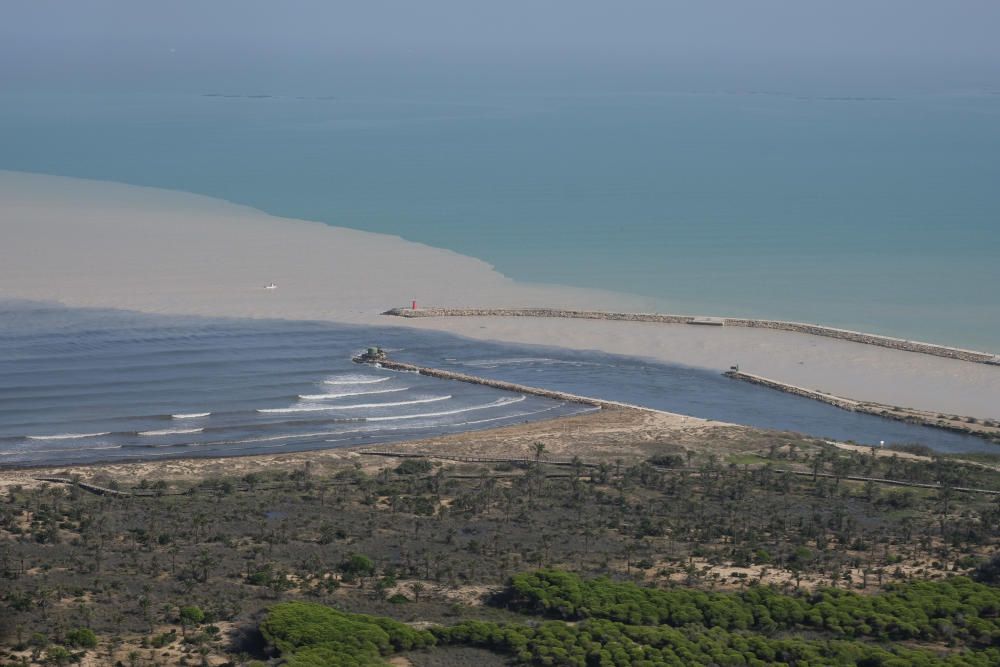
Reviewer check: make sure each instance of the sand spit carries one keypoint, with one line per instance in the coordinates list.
(91, 243)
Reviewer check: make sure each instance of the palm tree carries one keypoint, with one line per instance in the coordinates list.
(539, 449)
(204, 562)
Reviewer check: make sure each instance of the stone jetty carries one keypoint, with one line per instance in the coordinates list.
(983, 428)
(798, 327)
(383, 361)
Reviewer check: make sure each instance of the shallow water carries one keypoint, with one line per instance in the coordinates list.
(81, 385)
(89, 385)
(698, 392)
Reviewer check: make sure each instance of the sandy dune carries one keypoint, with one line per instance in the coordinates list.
(90, 243)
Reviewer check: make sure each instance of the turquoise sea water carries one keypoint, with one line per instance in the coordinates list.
(879, 212)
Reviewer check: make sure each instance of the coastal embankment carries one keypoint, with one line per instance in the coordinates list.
(779, 325)
(384, 362)
(982, 428)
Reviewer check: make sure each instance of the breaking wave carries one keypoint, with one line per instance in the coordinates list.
(495, 404)
(322, 397)
(353, 407)
(357, 379)
(510, 416)
(172, 431)
(190, 415)
(513, 415)
(67, 436)
(62, 451)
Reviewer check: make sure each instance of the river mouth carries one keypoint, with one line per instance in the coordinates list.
(88, 385)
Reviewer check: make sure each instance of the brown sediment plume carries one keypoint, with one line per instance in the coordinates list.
(983, 428)
(662, 318)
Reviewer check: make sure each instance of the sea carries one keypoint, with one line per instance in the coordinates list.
(875, 210)
(84, 385)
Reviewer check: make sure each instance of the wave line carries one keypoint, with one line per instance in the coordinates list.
(322, 397)
(495, 404)
(67, 436)
(361, 381)
(172, 431)
(329, 408)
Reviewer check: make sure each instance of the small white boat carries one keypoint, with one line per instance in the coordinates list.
(270, 286)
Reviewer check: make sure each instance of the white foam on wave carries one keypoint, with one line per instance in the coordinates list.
(63, 451)
(172, 431)
(513, 415)
(328, 408)
(287, 436)
(323, 397)
(357, 379)
(495, 404)
(67, 436)
(191, 415)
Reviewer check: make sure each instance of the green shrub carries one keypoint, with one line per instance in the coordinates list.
(307, 633)
(357, 565)
(414, 467)
(164, 639)
(57, 655)
(192, 615)
(923, 610)
(617, 624)
(81, 638)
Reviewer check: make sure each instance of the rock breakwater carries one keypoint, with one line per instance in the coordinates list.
(778, 325)
(982, 428)
(385, 362)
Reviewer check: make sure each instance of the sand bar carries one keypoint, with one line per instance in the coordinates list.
(98, 244)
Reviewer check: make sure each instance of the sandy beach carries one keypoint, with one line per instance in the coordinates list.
(97, 244)
(594, 436)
